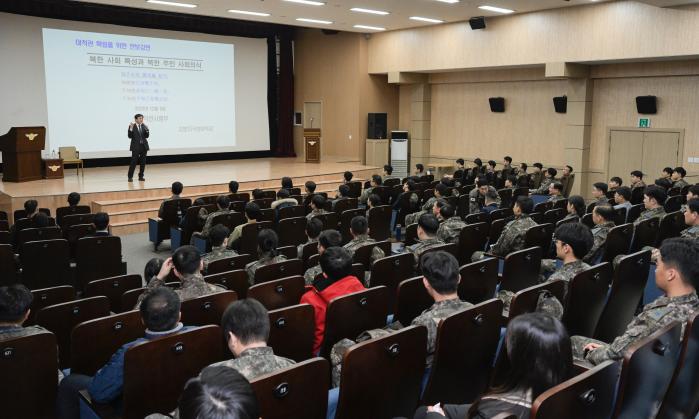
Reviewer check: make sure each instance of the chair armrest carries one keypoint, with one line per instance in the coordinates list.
(155, 219)
(493, 255)
(580, 367)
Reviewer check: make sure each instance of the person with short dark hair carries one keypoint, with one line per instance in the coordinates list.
(450, 229)
(492, 199)
(511, 182)
(603, 219)
(388, 172)
(537, 176)
(317, 207)
(31, 207)
(342, 194)
(666, 173)
(186, 264)
(200, 216)
(326, 239)
(677, 275)
(575, 208)
(347, 176)
(539, 355)
(245, 325)
(375, 182)
(420, 169)
(691, 220)
(287, 183)
(41, 220)
(614, 183)
(440, 192)
(152, 269)
(692, 192)
(622, 198)
(284, 200)
(549, 177)
(555, 192)
(219, 246)
(664, 183)
(512, 237)
(337, 280)
(15, 301)
(233, 186)
(252, 214)
(359, 230)
(101, 223)
(258, 193)
(573, 241)
(599, 193)
(677, 177)
(653, 199)
(73, 199)
(267, 242)
(637, 179)
(223, 203)
(313, 228)
(476, 197)
(160, 313)
(427, 227)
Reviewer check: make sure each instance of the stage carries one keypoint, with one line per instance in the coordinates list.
(131, 203)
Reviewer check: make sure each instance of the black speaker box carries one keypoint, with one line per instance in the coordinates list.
(477, 22)
(377, 125)
(560, 104)
(497, 104)
(646, 104)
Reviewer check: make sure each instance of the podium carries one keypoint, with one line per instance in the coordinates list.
(21, 153)
(311, 140)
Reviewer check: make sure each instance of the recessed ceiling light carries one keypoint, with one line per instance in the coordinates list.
(373, 12)
(307, 2)
(449, 1)
(322, 22)
(426, 19)
(171, 3)
(245, 12)
(496, 9)
(371, 28)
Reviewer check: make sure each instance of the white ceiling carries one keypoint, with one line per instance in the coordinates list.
(343, 19)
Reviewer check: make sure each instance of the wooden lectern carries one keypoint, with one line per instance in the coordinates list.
(311, 139)
(21, 153)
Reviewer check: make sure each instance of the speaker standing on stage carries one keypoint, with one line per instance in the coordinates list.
(138, 132)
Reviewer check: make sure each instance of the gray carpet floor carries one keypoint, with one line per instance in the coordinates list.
(137, 251)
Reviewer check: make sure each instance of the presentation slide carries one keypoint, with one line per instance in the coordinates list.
(186, 90)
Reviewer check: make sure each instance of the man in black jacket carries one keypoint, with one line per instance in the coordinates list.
(139, 133)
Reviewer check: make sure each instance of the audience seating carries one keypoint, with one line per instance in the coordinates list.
(381, 377)
(380, 222)
(129, 298)
(405, 207)
(451, 248)
(75, 219)
(645, 234)
(494, 231)
(180, 236)
(455, 378)
(346, 221)
(3, 215)
(290, 252)
(410, 234)
(618, 242)
(635, 210)
(390, 271)
(207, 309)
(296, 392)
(503, 212)
(620, 216)
(292, 331)
(505, 197)
(228, 264)
(682, 397)
(587, 220)
(330, 220)
(23, 223)
(670, 226)
(278, 270)
(292, 211)
(61, 318)
(363, 253)
(19, 214)
(113, 288)
(345, 205)
(263, 203)
(278, 293)
(8, 267)
(45, 297)
(308, 250)
(36, 234)
(180, 357)
(159, 228)
(588, 395)
(4, 225)
(5, 237)
(236, 280)
(628, 283)
(62, 212)
(29, 366)
(97, 258)
(411, 300)
(351, 314)
(587, 295)
(76, 232)
(462, 207)
(248, 237)
(539, 235)
(673, 203)
(93, 342)
(479, 217)
(521, 269)
(525, 300)
(45, 263)
(355, 188)
(292, 230)
(478, 280)
(554, 215)
(646, 373)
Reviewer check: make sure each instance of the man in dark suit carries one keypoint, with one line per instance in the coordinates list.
(101, 223)
(139, 133)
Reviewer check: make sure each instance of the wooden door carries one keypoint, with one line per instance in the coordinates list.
(660, 149)
(625, 153)
(647, 150)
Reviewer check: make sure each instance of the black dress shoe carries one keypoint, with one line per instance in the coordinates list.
(141, 179)
(130, 179)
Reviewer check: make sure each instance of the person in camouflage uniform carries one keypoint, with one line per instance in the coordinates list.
(440, 190)
(476, 197)
(313, 229)
(176, 189)
(246, 330)
(267, 242)
(359, 229)
(512, 237)
(187, 265)
(676, 275)
(691, 219)
(427, 227)
(15, 301)
(637, 179)
(441, 279)
(599, 192)
(653, 199)
(450, 229)
(375, 181)
(602, 216)
(326, 239)
(555, 192)
(219, 242)
(317, 207)
(252, 214)
(222, 202)
(677, 178)
(549, 177)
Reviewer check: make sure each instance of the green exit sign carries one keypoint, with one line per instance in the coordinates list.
(644, 122)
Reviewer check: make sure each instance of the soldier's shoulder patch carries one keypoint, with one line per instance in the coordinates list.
(473, 199)
(658, 313)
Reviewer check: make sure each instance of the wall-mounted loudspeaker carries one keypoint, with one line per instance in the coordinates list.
(477, 22)
(560, 104)
(376, 126)
(497, 104)
(646, 104)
